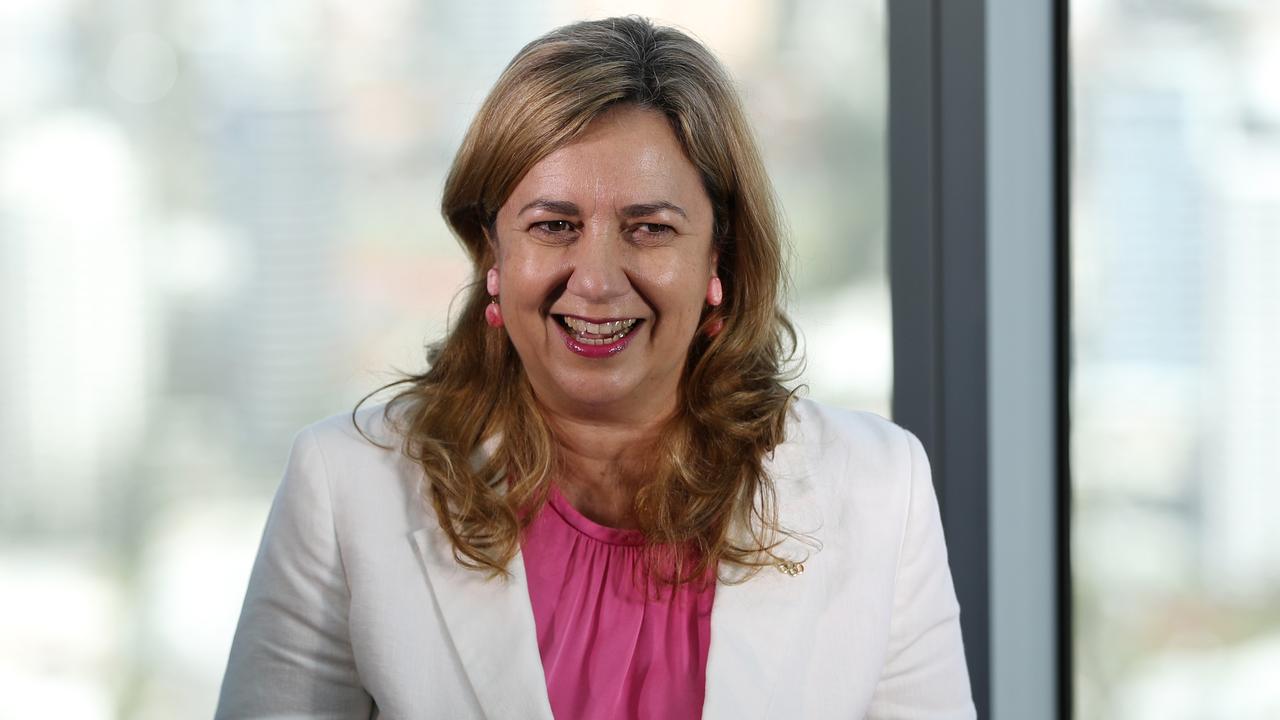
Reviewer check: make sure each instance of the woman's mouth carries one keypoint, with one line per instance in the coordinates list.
(596, 339)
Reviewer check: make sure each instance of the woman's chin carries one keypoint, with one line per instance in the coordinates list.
(600, 393)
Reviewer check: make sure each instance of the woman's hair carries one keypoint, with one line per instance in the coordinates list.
(706, 480)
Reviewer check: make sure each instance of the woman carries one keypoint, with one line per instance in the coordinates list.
(600, 501)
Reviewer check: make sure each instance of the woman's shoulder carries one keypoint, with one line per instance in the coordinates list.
(867, 470)
(855, 458)
(849, 435)
(360, 457)
(375, 428)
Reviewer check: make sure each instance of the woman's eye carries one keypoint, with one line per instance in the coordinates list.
(654, 229)
(555, 226)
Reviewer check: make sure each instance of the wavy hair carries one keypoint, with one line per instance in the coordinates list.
(471, 420)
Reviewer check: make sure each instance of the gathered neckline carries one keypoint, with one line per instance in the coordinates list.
(589, 527)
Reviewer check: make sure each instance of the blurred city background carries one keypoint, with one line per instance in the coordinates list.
(1176, 383)
(219, 222)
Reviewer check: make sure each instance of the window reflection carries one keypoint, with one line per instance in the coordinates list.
(219, 222)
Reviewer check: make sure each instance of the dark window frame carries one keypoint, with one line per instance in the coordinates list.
(963, 248)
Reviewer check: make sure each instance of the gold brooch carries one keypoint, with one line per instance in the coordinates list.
(786, 567)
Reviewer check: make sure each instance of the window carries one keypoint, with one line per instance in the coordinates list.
(1175, 404)
(220, 223)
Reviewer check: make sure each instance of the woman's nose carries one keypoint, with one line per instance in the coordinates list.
(598, 274)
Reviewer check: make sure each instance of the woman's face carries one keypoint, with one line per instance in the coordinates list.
(604, 256)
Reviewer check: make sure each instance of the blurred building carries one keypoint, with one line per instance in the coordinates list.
(219, 222)
(1175, 383)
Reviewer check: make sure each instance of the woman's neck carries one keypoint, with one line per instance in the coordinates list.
(601, 463)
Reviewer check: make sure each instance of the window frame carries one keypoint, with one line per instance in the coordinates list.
(978, 132)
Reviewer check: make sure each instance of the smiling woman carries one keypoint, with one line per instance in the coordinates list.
(612, 232)
(568, 514)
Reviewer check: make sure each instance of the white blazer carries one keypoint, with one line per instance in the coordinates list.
(357, 609)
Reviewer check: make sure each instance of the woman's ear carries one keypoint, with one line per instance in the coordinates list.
(490, 233)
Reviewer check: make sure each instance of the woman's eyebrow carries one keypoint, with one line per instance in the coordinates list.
(562, 207)
(650, 208)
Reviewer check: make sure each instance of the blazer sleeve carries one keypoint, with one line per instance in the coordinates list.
(924, 676)
(291, 656)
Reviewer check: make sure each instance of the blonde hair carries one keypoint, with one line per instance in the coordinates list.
(707, 476)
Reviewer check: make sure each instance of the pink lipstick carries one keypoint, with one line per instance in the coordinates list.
(592, 343)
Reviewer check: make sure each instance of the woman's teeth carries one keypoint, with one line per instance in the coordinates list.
(589, 333)
(609, 328)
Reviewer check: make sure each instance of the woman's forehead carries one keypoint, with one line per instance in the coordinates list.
(627, 156)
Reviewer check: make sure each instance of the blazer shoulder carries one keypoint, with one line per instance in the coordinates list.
(372, 435)
(363, 455)
(859, 435)
(375, 424)
(858, 459)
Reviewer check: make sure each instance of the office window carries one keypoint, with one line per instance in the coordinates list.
(219, 222)
(1175, 443)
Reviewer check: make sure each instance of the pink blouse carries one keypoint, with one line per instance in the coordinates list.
(607, 651)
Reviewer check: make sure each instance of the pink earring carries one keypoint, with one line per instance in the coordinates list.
(715, 296)
(493, 312)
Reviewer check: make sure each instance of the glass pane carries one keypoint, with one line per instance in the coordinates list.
(218, 223)
(1176, 386)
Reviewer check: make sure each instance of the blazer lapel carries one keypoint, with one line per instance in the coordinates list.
(491, 623)
(500, 657)
(755, 624)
